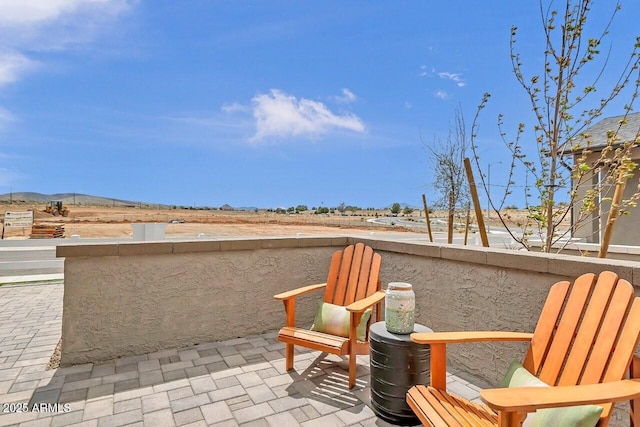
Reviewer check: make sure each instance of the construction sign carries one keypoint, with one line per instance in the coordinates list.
(18, 219)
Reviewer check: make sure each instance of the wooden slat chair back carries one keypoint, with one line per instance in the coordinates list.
(587, 334)
(353, 275)
(353, 282)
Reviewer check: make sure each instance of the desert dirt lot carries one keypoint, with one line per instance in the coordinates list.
(115, 221)
(105, 221)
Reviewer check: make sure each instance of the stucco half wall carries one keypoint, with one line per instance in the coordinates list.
(134, 298)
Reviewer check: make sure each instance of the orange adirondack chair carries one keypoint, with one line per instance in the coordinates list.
(353, 282)
(583, 345)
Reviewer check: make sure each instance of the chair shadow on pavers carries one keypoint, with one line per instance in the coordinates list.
(324, 378)
(239, 374)
(233, 366)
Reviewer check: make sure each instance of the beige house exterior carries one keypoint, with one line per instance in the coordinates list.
(627, 228)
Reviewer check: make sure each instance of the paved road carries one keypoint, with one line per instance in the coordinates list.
(33, 263)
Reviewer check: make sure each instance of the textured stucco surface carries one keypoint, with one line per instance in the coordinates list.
(459, 296)
(165, 295)
(118, 306)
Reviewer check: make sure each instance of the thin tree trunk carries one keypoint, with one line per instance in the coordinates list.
(613, 215)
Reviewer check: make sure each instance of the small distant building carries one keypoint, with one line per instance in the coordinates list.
(226, 207)
(627, 228)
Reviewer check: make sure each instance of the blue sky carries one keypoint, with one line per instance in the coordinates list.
(257, 103)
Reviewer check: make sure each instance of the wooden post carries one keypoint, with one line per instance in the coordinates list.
(438, 365)
(290, 309)
(476, 203)
(450, 219)
(426, 215)
(466, 226)
(613, 215)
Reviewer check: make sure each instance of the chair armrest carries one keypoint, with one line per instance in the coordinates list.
(474, 336)
(300, 291)
(529, 399)
(361, 305)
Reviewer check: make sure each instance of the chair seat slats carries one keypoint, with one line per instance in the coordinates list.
(313, 339)
(438, 408)
(428, 408)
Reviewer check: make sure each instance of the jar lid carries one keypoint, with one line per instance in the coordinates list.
(399, 286)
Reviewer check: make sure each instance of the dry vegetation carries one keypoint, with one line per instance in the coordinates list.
(107, 221)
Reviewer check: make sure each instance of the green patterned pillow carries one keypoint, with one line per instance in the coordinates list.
(518, 376)
(334, 319)
(571, 416)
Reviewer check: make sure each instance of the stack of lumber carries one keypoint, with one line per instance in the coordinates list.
(47, 231)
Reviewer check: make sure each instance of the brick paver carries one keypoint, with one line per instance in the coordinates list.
(230, 383)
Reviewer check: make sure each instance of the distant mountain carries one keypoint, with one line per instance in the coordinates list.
(27, 197)
(67, 199)
(70, 199)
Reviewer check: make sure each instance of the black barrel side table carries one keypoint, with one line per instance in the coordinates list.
(397, 364)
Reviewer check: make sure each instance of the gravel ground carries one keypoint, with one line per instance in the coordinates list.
(54, 363)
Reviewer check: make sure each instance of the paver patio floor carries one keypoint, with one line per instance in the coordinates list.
(228, 383)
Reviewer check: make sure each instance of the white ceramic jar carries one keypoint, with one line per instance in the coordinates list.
(399, 308)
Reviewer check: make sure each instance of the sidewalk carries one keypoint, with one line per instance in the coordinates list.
(229, 383)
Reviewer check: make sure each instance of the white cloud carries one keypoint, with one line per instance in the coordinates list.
(347, 97)
(280, 115)
(48, 26)
(235, 108)
(455, 77)
(12, 66)
(22, 13)
(5, 117)
(441, 94)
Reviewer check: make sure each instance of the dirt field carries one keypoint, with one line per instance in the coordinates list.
(106, 221)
